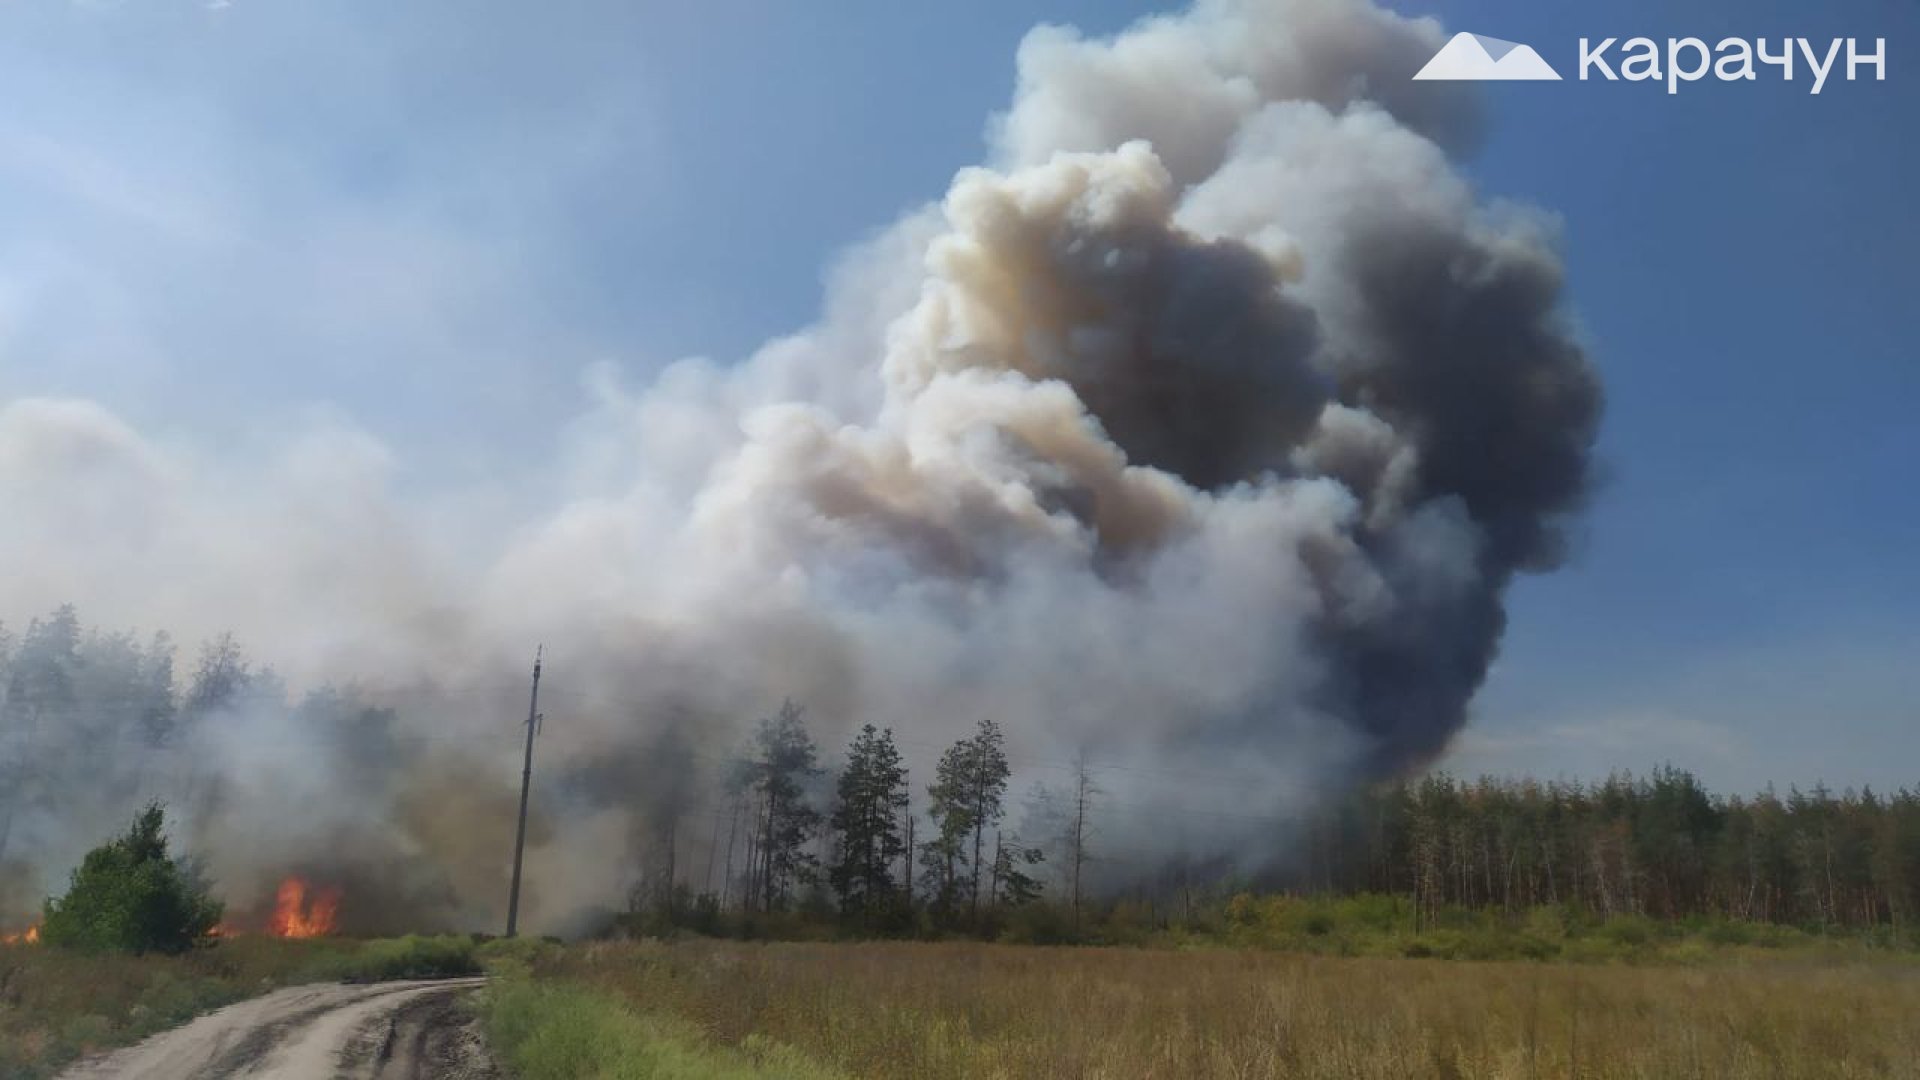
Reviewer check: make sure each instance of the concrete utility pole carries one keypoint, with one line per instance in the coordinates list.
(526, 782)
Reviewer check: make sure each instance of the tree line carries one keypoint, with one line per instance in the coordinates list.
(1657, 845)
(95, 722)
(88, 716)
(89, 712)
(91, 718)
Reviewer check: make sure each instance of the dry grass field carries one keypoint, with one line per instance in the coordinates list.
(974, 1011)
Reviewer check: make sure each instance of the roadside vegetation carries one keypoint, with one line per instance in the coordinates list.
(131, 895)
(57, 1004)
(562, 1031)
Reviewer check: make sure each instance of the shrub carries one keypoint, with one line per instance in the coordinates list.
(1377, 912)
(129, 895)
(1632, 931)
(1729, 932)
(409, 957)
(515, 955)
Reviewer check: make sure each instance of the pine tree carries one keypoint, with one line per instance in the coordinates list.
(784, 765)
(130, 895)
(37, 710)
(966, 798)
(157, 712)
(949, 807)
(987, 774)
(872, 793)
(1012, 884)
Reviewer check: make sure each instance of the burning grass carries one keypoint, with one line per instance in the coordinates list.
(297, 915)
(299, 911)
(970, 1010)
(56, 1004)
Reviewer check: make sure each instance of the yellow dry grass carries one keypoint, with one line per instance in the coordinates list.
(890, 1009)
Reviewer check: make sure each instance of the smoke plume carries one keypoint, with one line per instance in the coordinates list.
(1199, 433)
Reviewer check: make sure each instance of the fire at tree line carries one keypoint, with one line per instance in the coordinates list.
(849, 851)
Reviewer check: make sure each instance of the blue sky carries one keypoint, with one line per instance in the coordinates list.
(1739, 254)
(433, 217)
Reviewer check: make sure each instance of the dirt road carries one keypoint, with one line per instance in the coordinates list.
(379, 1031)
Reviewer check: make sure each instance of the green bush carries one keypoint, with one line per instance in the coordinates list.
(514, 955)
(1376, 912)
(130, 896)
(409, 957)
(1632, 931)
(1729, 932)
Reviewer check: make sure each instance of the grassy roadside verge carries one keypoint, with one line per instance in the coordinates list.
(544, 1028)
(57, 1005)
(563, 1031)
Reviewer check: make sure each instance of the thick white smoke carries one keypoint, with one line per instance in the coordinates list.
(1201, 433)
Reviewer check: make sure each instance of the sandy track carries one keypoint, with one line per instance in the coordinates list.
(378, 1031)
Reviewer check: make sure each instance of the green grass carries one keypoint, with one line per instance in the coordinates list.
(1324, 925)
(409, 957)
(1387, 926)
(563, 1031)
(56, 1004)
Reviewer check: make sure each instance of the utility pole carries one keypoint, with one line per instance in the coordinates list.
(526, 782)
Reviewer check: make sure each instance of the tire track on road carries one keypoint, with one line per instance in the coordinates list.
(376, 1031)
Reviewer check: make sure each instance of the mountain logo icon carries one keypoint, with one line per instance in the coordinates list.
(1477, 58)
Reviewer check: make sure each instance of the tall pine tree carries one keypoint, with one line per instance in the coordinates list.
(943, 857)
(967, 796)
(987, 774)
(782, 769)
(872, 792)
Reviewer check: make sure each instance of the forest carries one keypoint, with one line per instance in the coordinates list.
(849, 838)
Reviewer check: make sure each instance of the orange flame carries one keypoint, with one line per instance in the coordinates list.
(29, 936)
(295, 917)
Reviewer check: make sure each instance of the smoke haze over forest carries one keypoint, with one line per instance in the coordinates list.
(1199, 431)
